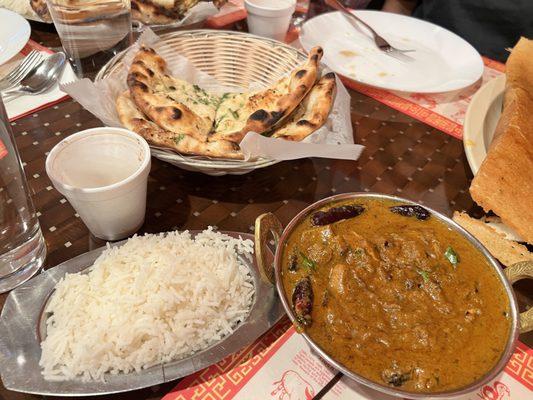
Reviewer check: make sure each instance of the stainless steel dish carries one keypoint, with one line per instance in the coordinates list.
(21, 326)
(268, 225)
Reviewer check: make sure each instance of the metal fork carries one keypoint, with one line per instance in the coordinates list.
(380, 42)
(12, 79)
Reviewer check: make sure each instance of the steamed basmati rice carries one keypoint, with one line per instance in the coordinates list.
(154, 299)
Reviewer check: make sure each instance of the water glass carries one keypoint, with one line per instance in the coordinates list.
(22, 247)
(300, 13)
(91, 33)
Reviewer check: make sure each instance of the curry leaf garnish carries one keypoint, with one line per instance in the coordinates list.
(452, 256)
(423, 274)
(307, 262)
(234, 113)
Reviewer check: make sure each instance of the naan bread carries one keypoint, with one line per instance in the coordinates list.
(312, 112)
(173, 104)
(263, 110)
(164, 11)
(160, 11)
(41, 9)
(134, 120)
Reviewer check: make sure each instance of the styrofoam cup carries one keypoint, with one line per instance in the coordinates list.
(103, 173)
(269, 18)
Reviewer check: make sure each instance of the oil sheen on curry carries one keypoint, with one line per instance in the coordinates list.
(396, 296)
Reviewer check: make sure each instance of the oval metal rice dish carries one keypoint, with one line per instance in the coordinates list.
(21, 322)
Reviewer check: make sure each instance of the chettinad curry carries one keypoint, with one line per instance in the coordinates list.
(394, 295)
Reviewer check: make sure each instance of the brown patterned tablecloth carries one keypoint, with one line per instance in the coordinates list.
(402, 157)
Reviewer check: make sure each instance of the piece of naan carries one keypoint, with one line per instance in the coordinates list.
(132, 118)
(164, 11)
(173, 104)
(312, 112)
(262, 110)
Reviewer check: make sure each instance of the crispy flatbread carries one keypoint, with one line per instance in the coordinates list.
(312, 112)
(263, 110)
(173, 104)
(135, 120)
(519, 75)
(519, 68)
(506, 251)
(504, 182)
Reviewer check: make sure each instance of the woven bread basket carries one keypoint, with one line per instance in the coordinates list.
(233, 59)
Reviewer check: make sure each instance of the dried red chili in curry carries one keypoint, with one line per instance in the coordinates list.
(396, 296)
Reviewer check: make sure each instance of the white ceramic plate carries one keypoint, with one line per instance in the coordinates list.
(14, 34)
(481, 119)
(442, 60)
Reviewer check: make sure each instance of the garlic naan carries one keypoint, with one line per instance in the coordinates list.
(262, 110)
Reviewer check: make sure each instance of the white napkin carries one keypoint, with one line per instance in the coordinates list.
(26, 104)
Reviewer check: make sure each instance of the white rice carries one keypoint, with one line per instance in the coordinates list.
(154, 299)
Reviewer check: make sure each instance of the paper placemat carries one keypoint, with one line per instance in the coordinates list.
(25, 105)
(444, 111)
(281, 366)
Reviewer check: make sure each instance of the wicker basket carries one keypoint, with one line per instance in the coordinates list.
(233, 59)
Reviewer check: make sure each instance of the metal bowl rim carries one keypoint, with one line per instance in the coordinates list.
(513, 331)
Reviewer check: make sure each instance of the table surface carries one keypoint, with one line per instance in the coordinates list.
(403, 157)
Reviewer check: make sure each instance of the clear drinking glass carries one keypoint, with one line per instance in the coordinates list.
(300, 14)
(22, 247)
(91, 32)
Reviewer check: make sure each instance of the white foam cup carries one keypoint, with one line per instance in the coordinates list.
(103, 173)
(269, 18)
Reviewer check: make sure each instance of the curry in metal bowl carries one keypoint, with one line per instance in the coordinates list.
(394, 294)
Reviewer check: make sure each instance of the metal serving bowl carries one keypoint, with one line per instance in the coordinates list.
(267, 225)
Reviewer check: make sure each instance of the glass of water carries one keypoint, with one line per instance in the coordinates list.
(300, 13)
(22, 247)
(91, 32)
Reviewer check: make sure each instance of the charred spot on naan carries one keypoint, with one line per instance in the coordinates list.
(312, 112)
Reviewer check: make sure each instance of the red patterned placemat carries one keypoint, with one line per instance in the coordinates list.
(281, 366)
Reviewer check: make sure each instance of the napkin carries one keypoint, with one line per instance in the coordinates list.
(333, 140)
(27, 104)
